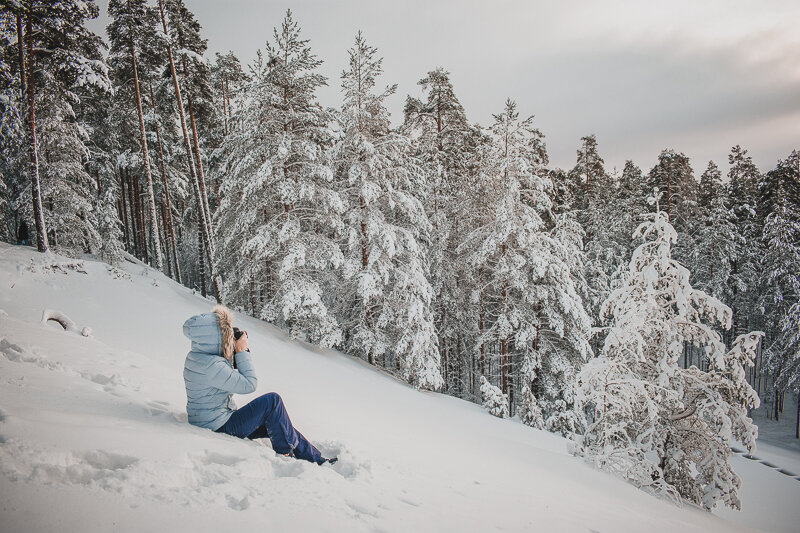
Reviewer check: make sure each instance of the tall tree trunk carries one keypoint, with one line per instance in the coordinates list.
(165, 241)
(669, 194)
(444, 352)
(503, 342)
(205, 229)
(36, 193)
(481, 358)
(200, 175)
(123, 216)
(21, 54)
(364, 262)
(202, 266)
(142, 222)
(134, 214)
(151, 201)
(169, 227)
(124, 203)
(228, 99)
(225, 105)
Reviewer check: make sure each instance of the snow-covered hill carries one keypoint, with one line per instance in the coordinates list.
(93, 434)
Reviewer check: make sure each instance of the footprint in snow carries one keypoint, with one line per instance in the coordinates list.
(348, 465)
(238, 504)
(107, 470)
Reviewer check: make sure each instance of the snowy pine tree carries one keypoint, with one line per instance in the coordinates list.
(496, 402)
(59, 65)
(743, 178)
(387, 297)
(132, 29)
(780, 288)
(444, 143)
(658, 425)
(279, 213)
(535, 324)
(716, 237)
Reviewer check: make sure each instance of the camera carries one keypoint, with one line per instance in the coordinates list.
(238, 333)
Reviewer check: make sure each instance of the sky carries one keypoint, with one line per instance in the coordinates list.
(696, 76)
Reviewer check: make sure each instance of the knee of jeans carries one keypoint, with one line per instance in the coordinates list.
(274, 397)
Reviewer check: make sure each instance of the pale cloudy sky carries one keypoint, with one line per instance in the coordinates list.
(698, 76)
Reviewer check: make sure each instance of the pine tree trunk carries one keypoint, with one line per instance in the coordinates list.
(202, 265)
(503, 341)
(443, 342)
(481, 358)
(200, 174)
(133, 217)
(21, 54)
(669, 194)
(140, 215)
(586, 168)
(225, 106)
(165, 240)
(36, 193)
(364, 262)
(151, 201)
(252, 288)
(121, 207)
(229, 113)
(205, 229)
(169, 229)
(140, 221)
(797, 422)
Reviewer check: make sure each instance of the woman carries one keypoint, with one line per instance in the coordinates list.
(218, 366)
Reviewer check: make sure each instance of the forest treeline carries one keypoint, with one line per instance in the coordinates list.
(449, 253)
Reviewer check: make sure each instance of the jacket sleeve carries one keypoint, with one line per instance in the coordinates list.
(241, 380)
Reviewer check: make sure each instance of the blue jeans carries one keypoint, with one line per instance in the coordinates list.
(266, 417)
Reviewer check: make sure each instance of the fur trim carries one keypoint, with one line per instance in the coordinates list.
(225, 318)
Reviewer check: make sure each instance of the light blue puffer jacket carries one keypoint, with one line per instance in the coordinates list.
(210, 379)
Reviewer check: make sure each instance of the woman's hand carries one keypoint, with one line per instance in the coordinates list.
(240, 344)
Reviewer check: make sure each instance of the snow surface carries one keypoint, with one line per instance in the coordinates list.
(93, 434)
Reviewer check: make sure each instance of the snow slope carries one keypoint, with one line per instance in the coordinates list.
(93, 434)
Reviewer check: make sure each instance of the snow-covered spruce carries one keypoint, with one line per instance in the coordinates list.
(494, 400)
(386, 297)
(279, 212)
(446, 146)
(535, 323)
(780, 290)
(663, 427)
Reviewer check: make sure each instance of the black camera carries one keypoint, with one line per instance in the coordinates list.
(238, 333)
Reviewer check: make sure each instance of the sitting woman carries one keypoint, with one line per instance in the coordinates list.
(218, 366)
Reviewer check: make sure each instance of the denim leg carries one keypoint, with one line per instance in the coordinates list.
(266, 415)
(260, 433)
(306, 450)
(284, 436)
(243, 422)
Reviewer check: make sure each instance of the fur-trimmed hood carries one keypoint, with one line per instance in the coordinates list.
(211, 333)
(225, 318)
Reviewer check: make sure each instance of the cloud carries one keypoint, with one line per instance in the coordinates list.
(643, 76)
